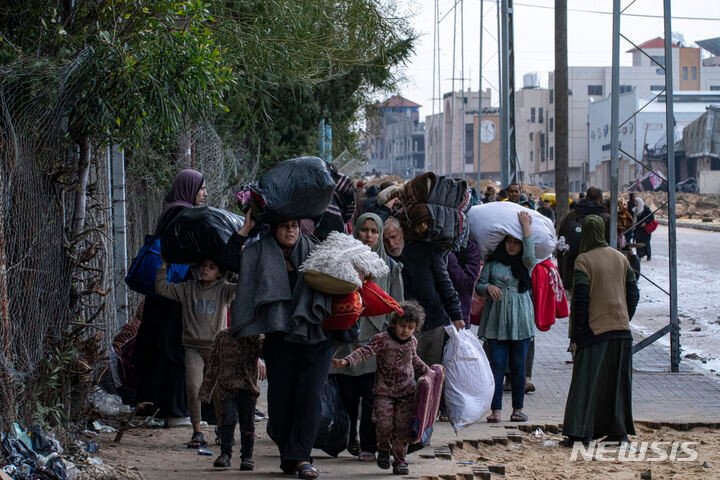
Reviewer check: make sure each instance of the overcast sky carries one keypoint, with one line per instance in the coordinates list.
(589, 38)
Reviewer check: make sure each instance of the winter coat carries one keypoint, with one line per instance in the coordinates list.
(464, 267)
(426, 279)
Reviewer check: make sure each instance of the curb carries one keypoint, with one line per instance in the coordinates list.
(696, 226)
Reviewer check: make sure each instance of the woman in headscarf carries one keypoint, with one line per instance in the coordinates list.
(357, 382)
(159, 357)
(642, 215)
(605, 295)
(273, 299)
(507, 322)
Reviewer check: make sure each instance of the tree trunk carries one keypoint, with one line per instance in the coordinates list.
(82, 183)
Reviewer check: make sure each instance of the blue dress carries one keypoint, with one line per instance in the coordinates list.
(513, 316)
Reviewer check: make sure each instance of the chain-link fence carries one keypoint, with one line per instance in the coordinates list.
(57, 302)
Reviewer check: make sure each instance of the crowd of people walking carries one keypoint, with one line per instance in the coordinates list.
(187, 352)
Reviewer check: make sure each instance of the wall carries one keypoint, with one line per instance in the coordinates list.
(709, 181)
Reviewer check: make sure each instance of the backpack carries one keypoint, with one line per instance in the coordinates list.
(574, 233)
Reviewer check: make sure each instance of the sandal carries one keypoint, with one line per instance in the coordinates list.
(518, 417)
(197, 441)
(306, 471)
(366, 456)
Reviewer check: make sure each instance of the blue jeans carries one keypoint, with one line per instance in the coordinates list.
(499, 352)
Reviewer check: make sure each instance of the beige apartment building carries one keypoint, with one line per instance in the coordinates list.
(451, 138)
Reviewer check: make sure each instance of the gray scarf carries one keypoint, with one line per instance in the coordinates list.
(265, 302)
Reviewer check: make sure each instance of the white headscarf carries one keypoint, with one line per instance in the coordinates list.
(639, 206)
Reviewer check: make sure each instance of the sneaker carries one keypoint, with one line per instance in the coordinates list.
(260, 416)
(223, 461)
(529, 387)
(401, 468)
(172, 422)
(247, 464)
(383, 459)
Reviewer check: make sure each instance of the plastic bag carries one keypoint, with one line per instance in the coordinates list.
(469, 382)
(491, 222)
(297, 188)
(106, 403)
(334, 431)
(199, 233)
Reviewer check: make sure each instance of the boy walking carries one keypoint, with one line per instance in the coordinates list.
(204, 313)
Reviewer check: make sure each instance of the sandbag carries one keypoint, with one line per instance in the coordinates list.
(469, 382)
(196, 234)
(334, 431)
(491, 222)
(294, 189)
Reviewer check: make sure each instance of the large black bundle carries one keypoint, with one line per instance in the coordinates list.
(199, 233)
(294, 189)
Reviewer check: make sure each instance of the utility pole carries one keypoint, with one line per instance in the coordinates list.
(561, 110)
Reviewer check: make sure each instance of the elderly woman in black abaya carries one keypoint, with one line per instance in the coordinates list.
(159, 357)
(273, 299)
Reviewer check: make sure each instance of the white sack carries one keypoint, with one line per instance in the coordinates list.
(469, 383)
(491, 222)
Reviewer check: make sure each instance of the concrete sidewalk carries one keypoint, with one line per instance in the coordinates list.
(659, 396)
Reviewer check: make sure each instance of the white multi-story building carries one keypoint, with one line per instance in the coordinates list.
(533, 126)
(641, 131)
(691, 72)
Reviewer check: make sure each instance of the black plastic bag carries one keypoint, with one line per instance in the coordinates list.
(199, 233)
(334, 431)
(294, 189)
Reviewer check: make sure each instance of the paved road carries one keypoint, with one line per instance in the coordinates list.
(697, 247)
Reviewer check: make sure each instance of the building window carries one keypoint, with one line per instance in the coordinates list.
(552, 95)
(531, 136)
(714, 88)
(542, 147)
(715, 164)
(552, 153)
(625, 88)
(595, 90)
(531, 155)
(660, 59)
(693, 73)
(532, 114)
(657, 88)
(541, 115)
(551, 124)
(685, 73)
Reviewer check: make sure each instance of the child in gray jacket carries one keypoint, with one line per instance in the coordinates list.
(204, 313)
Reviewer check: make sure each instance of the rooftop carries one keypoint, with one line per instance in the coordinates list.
(657, 42)
(397, 101)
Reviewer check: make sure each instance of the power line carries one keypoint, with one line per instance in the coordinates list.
(600, 12)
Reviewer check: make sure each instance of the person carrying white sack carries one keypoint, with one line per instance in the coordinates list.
(507, 323)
